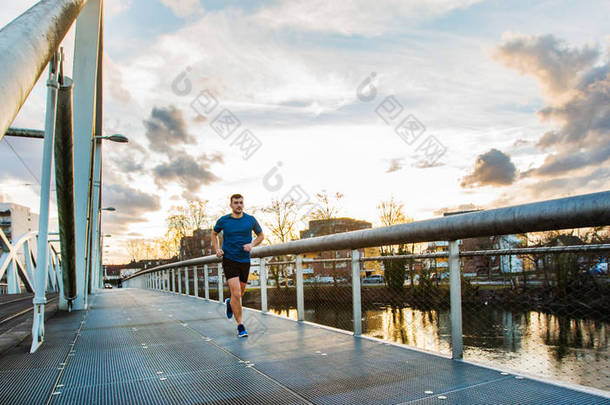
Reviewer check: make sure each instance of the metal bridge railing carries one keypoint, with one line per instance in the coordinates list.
(573, 212)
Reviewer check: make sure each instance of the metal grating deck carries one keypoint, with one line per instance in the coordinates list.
(144, 347)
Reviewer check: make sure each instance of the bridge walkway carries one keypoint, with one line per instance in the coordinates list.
(147, 347)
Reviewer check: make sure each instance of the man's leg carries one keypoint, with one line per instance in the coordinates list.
(236, 293)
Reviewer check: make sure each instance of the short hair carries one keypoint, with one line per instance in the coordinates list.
(235, 196)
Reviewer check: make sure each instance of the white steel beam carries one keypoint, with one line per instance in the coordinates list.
(85, 78)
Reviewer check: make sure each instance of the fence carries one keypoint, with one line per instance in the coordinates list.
(437, 307)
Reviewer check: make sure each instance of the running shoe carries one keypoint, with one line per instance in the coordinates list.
(241, 331)
(229, 309)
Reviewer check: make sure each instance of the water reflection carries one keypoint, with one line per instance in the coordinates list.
(569, 349)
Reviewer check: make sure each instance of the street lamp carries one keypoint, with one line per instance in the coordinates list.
(114, 138)
(108, 209)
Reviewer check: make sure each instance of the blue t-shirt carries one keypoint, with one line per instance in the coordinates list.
(236, 232)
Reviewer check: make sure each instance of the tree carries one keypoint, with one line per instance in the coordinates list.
(144, 249)
(391, 212)
(134, 249)
(328, 207)
(182, 221)
(280, 220)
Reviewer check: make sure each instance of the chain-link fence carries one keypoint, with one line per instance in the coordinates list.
(540, 313)
(405, 296)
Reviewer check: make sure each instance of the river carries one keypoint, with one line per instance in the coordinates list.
(574, 350)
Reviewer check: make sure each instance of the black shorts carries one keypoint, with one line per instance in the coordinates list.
(232, 269)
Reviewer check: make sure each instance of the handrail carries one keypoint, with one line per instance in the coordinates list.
(27, 44)
(570, 212)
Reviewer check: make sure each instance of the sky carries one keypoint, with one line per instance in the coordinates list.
(441, 104)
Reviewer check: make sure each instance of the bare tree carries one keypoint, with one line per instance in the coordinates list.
(328, 206)
(392, 212)
(134, 249)
(281, 220)
(143, 249)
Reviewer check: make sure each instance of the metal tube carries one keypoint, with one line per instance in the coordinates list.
(356, 298)
(455, 292)
(179, 280)
(300, 295)
(42, 259)
(262, 276)
(27, 44)
(221, 284)
(206, 285)
(64, 185)
(549, 249)
(186, 281)
(25, 133)
(196, 281)
(571, 212)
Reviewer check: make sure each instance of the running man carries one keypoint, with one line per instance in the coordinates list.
(237, 243)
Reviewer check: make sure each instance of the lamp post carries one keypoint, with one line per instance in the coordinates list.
(94, 256)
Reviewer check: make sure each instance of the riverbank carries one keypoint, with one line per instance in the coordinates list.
(592, 304)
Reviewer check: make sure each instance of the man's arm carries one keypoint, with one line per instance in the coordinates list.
(257, 241)
(216, 244)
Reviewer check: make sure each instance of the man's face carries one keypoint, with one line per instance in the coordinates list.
(237, 205)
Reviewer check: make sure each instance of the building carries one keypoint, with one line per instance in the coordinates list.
(16, 220)
(337, 270)
(114, 270)
(197, 245)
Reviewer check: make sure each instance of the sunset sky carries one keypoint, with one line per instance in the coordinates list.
(516, 94)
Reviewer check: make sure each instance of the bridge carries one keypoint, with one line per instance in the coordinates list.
(164, 338)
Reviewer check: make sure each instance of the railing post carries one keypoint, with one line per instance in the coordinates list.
(455, 291)
(262, 277)
(300, 295)
(206, 285)
(173, 280)
(196, 281)
(221, 292)
(186, 278)
(356, 299)
(179, 280)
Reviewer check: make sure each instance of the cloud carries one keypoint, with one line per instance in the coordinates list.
(395, 165)
(115, 7)
(183, 8)
(493, 168)
(131, 205)
(113, 81)
(548, 59)
(189, 172)
(166, 130)
(578, 100)
(354, 17)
